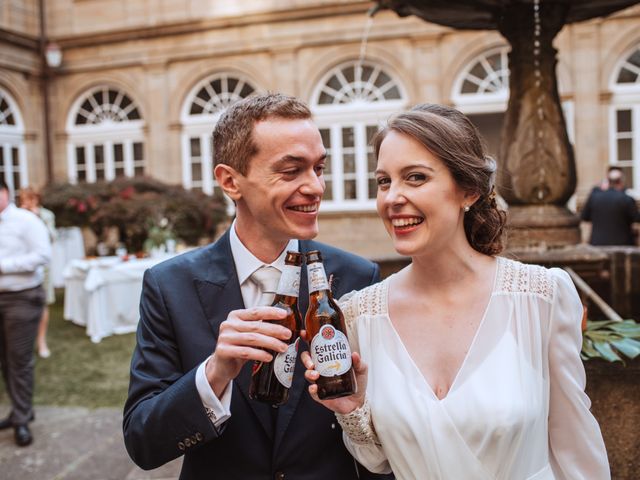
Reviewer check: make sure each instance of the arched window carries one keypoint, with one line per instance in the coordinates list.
(106, 138)
(481, 91)
(13, 158)
(349, 103)
(624, 118)
(200, 112)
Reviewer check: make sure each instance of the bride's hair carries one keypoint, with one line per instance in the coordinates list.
(450, 136)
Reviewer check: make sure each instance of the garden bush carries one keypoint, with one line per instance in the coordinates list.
(139, 207)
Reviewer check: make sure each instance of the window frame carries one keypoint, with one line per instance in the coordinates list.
(625, 96)
(357, 115)
(107, 134)
(12, 138)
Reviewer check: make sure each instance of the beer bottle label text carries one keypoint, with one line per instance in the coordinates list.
(289, 284)
(285, 363)
(317, 277)
(330, 352)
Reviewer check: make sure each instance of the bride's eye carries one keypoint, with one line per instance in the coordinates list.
(383, 182)
(416, 177)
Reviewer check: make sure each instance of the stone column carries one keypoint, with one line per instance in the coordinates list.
(162, 157)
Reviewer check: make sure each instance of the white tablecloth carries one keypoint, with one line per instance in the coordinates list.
(103, 294)
(68, 246)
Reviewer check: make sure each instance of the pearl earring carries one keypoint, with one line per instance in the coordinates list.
(466, 208)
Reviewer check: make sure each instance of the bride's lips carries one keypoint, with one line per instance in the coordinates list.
(405, 223)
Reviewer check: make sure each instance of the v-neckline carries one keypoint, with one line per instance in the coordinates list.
(385, 296)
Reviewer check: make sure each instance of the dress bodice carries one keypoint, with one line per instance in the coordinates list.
(493, 423)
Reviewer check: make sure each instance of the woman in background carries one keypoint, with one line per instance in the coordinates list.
(473, 360)
(30, 200)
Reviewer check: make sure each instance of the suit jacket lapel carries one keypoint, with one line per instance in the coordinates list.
(219, 293)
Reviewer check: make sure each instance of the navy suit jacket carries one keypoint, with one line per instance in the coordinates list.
(611, 213)
(183, 302)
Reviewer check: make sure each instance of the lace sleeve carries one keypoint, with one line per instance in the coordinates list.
(358, 425)
(348, 303)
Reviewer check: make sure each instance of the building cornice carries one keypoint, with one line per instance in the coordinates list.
(19, 39)
(198, 25)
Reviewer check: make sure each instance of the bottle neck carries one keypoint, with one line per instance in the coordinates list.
(289, 284)
(285, 299)
(317, 278)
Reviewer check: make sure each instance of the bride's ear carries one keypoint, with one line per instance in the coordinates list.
(469, 199)
(228, 179)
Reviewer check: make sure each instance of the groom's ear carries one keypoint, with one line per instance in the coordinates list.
(228, 178)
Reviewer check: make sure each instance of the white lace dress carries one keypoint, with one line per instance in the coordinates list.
(516, 409)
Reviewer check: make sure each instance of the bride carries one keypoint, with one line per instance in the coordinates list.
(468, 364)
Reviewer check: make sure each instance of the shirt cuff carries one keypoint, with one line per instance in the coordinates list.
(218, 409)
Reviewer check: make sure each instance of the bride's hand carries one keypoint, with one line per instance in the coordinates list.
(340, 405)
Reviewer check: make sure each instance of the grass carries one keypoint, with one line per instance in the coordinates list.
(79, 372)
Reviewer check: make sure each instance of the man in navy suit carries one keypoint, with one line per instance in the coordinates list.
(611, 212)
(200, 327)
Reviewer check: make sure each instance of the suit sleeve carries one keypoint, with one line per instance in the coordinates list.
(577, 449)
(163, 414)
(632, 211)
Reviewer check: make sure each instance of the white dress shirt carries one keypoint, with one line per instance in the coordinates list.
(246, 263)
(24, 249)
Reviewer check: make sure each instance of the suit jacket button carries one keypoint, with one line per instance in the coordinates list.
(194, 440)
(187, 442)
(199, 436)
(279, 476)
(181, 445)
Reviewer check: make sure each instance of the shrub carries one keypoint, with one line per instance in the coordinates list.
(135, 206)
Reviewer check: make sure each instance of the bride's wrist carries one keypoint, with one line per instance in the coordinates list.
(358, 424)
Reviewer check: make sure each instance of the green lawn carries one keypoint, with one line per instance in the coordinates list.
(80, 373)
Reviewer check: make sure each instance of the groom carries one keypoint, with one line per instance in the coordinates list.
(200, 324)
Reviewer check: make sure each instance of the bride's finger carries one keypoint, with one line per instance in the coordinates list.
(313, 391)
(311, 375)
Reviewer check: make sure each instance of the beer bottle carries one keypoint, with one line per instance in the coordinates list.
(270, 381)
(329, 347)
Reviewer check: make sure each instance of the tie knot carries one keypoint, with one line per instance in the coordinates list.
(266, 278)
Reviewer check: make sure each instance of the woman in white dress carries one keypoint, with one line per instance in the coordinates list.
(30, 200)
(468, 365)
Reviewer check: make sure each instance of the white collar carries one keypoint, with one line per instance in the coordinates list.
(246, 263)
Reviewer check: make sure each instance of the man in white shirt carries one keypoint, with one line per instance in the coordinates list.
(201, 324)
(24, 251)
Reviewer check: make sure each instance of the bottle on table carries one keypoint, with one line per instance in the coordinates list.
(325, 326)
(270, 381)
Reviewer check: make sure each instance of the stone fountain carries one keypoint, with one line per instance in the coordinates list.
(537, 173)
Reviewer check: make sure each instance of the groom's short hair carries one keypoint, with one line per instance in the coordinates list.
(233, 142)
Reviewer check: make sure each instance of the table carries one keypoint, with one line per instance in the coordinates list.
(103, 294)
(69, 245)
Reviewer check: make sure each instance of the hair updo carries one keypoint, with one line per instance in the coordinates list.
(450, 136)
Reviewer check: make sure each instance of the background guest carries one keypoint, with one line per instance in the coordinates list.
(30, 200)
(25, 249)
(611, 212)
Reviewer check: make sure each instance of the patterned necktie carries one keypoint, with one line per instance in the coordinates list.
(266, 278)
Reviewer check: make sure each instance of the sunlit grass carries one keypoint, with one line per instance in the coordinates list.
(80, 373)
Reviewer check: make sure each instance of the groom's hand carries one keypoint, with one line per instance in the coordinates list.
(244, 336)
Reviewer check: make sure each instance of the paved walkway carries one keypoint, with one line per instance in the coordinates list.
(74, 444)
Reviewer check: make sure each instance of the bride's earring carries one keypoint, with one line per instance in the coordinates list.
(466, 208)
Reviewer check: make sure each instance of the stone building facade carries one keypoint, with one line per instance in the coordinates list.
(142, 82)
